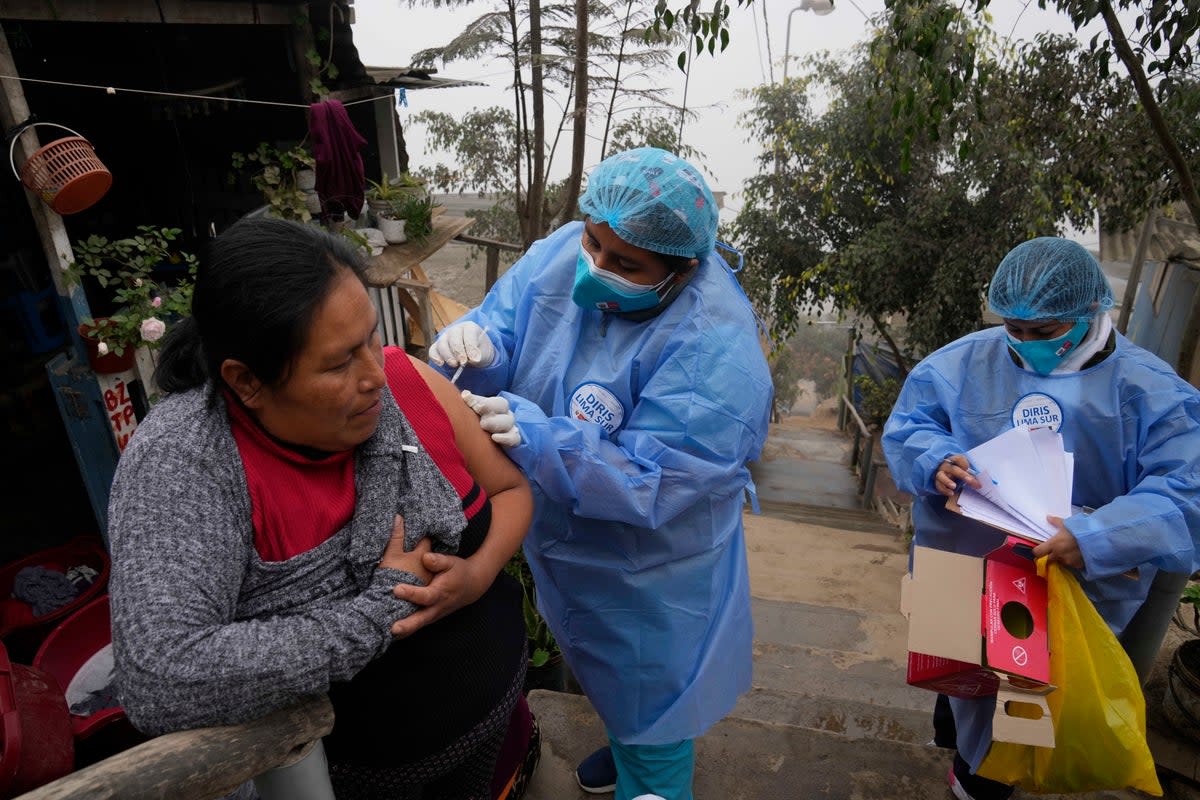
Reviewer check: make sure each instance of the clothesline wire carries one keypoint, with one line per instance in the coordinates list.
(210, 98)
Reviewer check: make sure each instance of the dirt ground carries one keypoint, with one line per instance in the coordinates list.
(458, 271)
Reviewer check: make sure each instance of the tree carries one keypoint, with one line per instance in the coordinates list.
(571, 55)
(903, 227)
(1162, 48)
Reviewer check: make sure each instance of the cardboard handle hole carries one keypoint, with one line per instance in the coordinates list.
(1020, 710)
(1016, 619)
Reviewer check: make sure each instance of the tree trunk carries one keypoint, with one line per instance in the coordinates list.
(579, 140)
(612, 100)
(1146, 95)
(901, 361)
(519, 117)
(537, 182)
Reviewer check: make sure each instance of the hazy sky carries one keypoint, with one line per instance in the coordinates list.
(389, 32)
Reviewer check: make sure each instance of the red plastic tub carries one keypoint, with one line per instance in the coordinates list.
(38, 746)
(67, 649)
(21, 632)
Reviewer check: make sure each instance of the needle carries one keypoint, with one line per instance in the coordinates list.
(458, 371)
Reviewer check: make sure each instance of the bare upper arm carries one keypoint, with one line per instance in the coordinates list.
(486, 462)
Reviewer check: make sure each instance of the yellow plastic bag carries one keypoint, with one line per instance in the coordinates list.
(1098, 709)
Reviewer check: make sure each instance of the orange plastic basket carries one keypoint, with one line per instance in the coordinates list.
(66, 173)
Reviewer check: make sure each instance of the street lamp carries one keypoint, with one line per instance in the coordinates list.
(818, 7)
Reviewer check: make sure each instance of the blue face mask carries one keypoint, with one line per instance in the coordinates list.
(601, 289)
(1044, 355)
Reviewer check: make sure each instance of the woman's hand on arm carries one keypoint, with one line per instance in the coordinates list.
(395, 557)
(457, 581)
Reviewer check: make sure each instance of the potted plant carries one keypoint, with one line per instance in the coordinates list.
(280, 177)
(382, 194)
(546, 669)
(387, 200)
(1181, 696)
(382, 198)
(145, 304)
(417, 214)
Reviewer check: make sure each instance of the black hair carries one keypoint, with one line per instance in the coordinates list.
(258, 287)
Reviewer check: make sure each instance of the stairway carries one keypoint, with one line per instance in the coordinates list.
(829, 714)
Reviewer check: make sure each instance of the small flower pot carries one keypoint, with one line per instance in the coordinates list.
(306, 180)
(312, 201)
(393, 230)
(109, 363)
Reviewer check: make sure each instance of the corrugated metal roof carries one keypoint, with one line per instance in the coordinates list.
(414, 78)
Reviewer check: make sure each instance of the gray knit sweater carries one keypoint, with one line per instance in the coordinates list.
(204, 631)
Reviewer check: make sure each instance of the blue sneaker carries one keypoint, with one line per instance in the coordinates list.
(597, 774)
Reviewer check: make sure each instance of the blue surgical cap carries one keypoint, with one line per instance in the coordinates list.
(653, 199)
(1049, 278)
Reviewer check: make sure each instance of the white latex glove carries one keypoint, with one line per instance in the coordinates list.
(465, 345)
(495, 418)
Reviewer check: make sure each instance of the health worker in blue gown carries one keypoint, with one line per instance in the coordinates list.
(1132, 424)
(619, 362)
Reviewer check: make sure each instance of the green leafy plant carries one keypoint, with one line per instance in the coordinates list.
(542, 645)
(145, 305)
(275, 177)
(387, 192)
(417, 212)
(877, 398)
(1190, 597)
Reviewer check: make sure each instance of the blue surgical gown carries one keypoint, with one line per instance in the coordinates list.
(1134, 428)
(635, 437)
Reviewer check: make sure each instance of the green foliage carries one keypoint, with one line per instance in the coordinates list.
(542, 645)
(877, 398)
(857, 212)
(417, 213)
(703, 31)
(511, 151)
(126, 266)
(275, 177)
(936, 38)
(652, 129)
(389, 192)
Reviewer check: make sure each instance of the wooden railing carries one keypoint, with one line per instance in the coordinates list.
(862, 456)
(492, 250)
(198, 764)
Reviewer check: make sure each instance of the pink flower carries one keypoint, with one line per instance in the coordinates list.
(156, 302)
(153, 329)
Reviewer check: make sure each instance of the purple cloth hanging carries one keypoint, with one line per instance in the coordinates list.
(336, 145)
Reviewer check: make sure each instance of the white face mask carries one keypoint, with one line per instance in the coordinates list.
(614, 281)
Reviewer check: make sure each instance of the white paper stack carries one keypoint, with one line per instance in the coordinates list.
(1025, 475)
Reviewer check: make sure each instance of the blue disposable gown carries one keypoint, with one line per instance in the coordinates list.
(1134, 428)
(635, 437)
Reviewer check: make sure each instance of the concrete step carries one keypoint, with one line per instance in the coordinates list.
(853, 518)
(743, 759)
(858, 570)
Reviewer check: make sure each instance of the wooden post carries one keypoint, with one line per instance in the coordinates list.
(492, 270)
(55, 243)
(385, 135)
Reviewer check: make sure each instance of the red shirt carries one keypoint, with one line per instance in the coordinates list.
(298, 502)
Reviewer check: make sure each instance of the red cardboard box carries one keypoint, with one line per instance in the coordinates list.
(977, 627)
